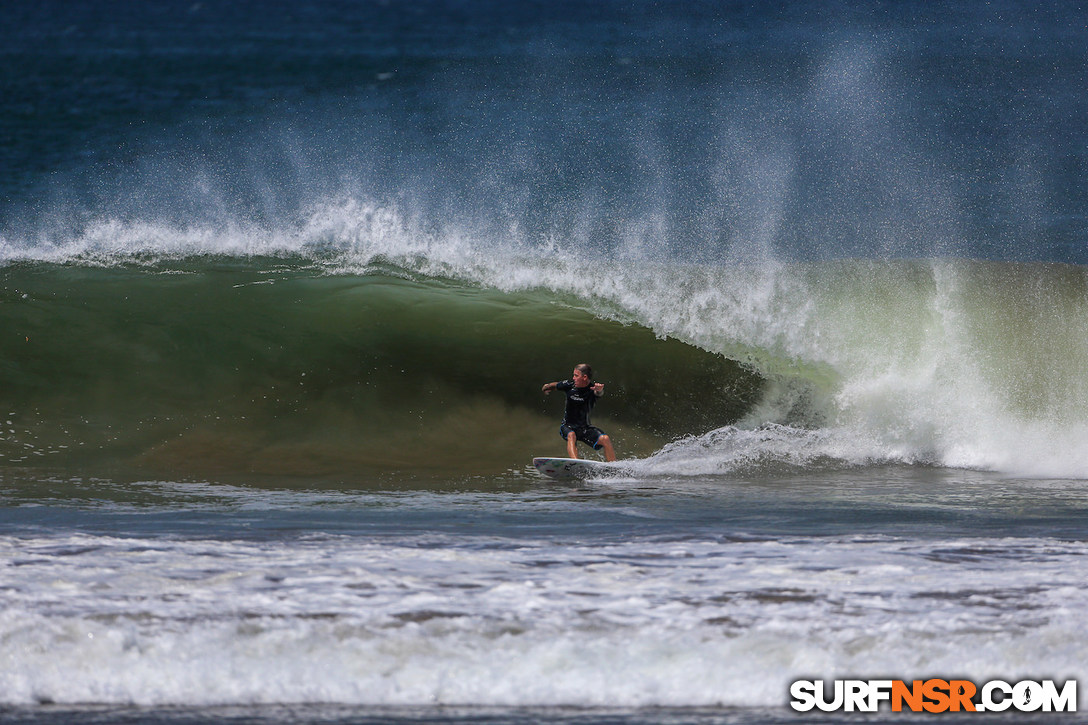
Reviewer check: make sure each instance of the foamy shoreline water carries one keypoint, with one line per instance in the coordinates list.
(590, 616)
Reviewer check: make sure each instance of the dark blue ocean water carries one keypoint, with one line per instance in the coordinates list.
(280, 282)
(813, 130)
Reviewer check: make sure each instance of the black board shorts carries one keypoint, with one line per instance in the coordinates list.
(588, 434)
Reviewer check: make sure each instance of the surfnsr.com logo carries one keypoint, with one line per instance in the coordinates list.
(934, 695)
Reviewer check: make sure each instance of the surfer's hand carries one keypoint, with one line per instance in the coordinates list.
(598, 388)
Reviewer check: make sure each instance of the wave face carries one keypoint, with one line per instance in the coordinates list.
(357, 340)
(258, 366)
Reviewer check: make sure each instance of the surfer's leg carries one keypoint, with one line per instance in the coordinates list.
(606, 443)
(572, 445)
(595, 437)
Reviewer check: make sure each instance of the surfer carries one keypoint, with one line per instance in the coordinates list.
(582, 393)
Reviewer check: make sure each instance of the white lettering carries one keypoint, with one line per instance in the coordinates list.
(821, 700)
(1065, 701)
(856, 695)
(988, 695)
(1027, 696)
(804, 695)
(879, 691)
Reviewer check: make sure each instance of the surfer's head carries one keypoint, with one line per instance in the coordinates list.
(583, 375)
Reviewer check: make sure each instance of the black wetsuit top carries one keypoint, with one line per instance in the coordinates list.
(579, 403)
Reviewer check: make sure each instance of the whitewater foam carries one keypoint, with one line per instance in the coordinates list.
(479, 621)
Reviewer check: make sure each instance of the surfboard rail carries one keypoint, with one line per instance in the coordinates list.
(567, 468)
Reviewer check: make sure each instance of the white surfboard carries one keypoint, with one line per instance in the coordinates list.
(573, 467)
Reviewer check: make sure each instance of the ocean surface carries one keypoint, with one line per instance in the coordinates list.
(280, 283)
